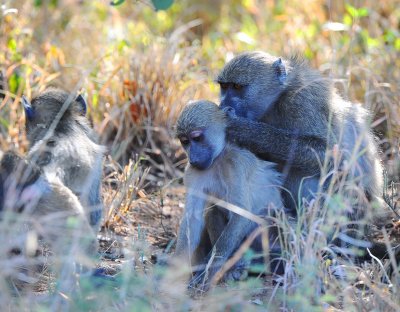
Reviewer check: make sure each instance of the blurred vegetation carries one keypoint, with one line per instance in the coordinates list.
(143, 64)
(138, 67)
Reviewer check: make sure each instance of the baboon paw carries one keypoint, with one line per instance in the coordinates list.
(199, 283)
(229, 112)
(238, 273)
(161, 259)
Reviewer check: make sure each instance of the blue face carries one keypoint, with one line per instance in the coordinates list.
(250, 103)
(233, 95)
(200, 152)
(253, 100)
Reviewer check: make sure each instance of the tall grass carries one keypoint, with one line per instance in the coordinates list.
(138, 68)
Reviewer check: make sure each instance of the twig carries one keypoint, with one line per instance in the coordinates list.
(382, 267)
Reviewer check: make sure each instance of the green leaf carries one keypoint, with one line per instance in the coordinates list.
(352, 10)
(39, 3)
(372, 42)
(4, 122)
(122, 44)
(162, 4)
(279, 7)
(363, 12)
(117, 2)
(12, 45)
(347, 20)
(95, 100)
(14, 82)
(397, 44)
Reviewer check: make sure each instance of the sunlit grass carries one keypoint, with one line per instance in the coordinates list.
(138, 68)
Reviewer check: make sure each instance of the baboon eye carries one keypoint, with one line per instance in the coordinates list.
(184, 141)
(197, 136)
(237, 86)
(51, 143)
(224, 85)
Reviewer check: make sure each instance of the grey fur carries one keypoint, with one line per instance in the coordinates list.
(236, 176)
(67, 148)
(46, 208)
(294, 123)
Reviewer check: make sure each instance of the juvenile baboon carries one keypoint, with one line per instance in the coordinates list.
(219, 170)
(46, 208)
(15, 172)
(288, 113)
(63, 143)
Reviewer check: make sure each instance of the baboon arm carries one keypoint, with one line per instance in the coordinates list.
(232, 236)
(191, 227)
(303, 151)
(26, 172)
(215, 222)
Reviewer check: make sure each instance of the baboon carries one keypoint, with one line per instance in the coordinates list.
(14, 169)
(225, 172)
(63, 143)
(47, 208)
(288, 113)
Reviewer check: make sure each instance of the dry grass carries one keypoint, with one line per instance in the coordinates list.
(138, 68)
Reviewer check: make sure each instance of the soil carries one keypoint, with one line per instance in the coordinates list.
(152, 223)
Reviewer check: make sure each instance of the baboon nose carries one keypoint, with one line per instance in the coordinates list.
(195, 163)
(200, 165)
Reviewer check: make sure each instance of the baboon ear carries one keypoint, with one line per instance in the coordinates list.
(29, 112)
(82, 104)
(280, 70)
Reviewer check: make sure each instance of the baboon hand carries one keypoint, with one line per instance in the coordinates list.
(202, 279)
(229, 112)
(238, 272)
(200, 282)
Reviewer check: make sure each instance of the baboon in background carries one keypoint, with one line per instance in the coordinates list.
(45, 207)
(225, 172)
(63, 143)
(288, 113)
(17, 173)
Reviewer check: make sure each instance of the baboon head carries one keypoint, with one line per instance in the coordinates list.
(201, 130)
(53, 106)
(251, 82)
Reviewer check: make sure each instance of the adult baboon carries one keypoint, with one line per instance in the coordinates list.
(220, 171)
(63, 143)
(290, 114)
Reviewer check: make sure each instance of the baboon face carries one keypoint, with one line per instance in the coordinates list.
(250, 83)
(198, 148)
(44, 109)
(201, 131)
